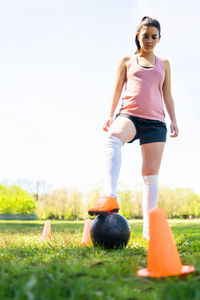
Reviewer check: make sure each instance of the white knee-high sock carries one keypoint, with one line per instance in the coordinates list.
(112, 164)
(150, 198)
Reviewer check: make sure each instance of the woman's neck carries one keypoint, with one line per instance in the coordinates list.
(148, 56)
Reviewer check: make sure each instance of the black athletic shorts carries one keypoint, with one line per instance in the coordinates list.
(147, 131)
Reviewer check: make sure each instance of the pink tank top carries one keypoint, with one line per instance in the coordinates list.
(143, 91)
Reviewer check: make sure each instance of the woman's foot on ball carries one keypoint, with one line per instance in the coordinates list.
(103, 205)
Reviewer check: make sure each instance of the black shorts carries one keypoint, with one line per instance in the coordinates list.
(147, 131)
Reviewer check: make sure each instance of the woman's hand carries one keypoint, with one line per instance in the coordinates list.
(107, 124)
(174, 129)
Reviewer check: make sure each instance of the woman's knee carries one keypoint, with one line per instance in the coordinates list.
(150, 171)
(150, 168)
(118, 136)
(123, 129)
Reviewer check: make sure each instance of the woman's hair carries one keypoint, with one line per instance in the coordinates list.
(146, 21)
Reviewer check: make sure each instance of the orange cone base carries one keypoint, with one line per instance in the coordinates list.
(184, 270)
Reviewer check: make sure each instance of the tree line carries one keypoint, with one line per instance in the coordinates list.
(62, 204)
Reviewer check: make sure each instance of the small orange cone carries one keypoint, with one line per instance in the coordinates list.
(162, 258)
(86, 238)
(47, 230)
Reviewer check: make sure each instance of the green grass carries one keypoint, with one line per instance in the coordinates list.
(35, 269)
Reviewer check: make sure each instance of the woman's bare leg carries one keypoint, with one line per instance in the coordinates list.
(151, 158)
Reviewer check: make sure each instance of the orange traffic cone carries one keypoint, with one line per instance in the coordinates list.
(162, 258)
(47, 230)
(86, 238)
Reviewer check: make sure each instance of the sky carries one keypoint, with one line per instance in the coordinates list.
(58, 63)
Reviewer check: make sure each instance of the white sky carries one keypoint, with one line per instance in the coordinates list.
(58, 62)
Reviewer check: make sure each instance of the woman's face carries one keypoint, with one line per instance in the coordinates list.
(148, 38)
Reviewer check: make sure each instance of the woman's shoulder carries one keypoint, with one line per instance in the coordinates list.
(165, 63)
(125, 61)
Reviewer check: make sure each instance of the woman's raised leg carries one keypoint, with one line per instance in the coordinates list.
(122, 130)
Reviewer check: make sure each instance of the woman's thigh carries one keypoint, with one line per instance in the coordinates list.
(151, 158)
(123, 129)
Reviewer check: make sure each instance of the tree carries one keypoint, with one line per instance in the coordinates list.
(15, 200)
(126, 199)
(76, 204)
(138, 212)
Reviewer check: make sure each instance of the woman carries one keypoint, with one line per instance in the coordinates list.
(147, 80)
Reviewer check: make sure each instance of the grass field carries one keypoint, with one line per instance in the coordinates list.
(35, 269)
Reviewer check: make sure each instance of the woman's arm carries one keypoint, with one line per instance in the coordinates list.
(119, 83)
(169, 103)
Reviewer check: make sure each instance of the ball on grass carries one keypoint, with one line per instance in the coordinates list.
(110, 231)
